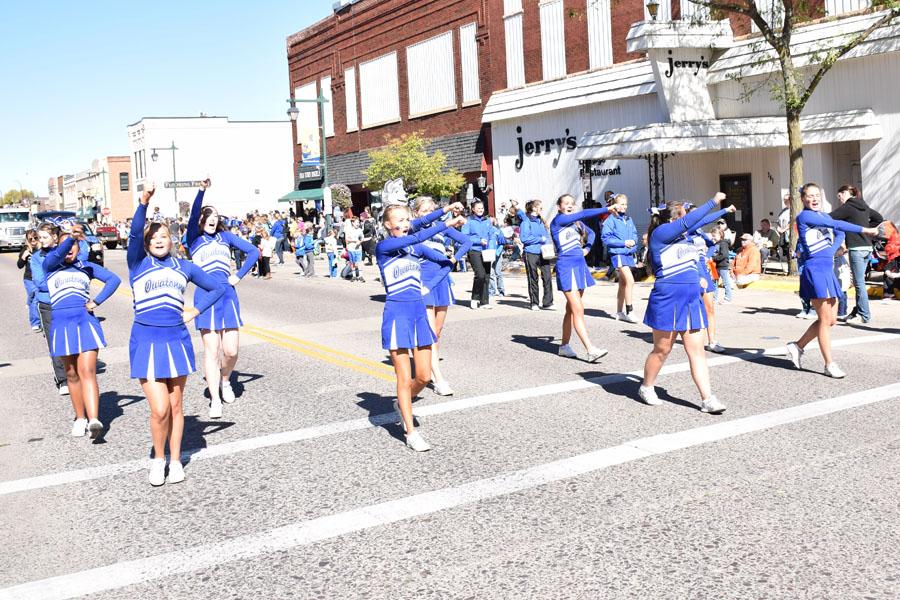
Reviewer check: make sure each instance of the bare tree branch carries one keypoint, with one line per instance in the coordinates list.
(836, 54)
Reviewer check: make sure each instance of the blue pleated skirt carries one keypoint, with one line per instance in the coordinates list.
(573, 274)
(818, 281)
(675, 307)
(441, 294)
(73, 331)
(622, 260)
(405, 325)
(224, 314)
(160, 352)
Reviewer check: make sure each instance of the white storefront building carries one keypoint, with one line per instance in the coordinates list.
(697, 116)
(249, 162)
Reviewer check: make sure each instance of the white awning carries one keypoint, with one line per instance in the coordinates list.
(620, 81)
(725, 134)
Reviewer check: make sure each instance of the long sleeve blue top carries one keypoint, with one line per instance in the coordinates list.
(618, 229)
(532, 232)
(158, 284)
(69, 284)
(566, 232)
(399, 260)
(816, 231)
(478, 229)
(673, 253)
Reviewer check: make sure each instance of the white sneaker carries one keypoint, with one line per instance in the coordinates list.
(535, 307)
(648, 395)
(176, 472)
(566, 351)
(157, 475)
(487, 306)
(834, 371)
(473, 304)
(227, 393)
(442, 388)
(628, 318)
(795, 353)
(712, 405)
(415, 441)
(95, 427)
(79, 427)
(853, 320)
(595, 354)
(715, 347)
(809, 316)
(64, 390)
(215, 409)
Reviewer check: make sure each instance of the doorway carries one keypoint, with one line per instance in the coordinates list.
(739, 192)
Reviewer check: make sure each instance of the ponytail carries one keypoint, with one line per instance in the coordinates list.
(659, 216)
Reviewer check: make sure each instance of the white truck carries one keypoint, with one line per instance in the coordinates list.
(14, 222)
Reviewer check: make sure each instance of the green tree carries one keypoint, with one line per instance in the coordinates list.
(794, 80)
(407, 157)
(16, 196)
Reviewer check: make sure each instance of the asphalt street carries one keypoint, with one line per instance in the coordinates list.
(548, 478)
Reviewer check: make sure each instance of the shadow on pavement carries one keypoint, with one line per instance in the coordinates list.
(541, 343)
(238, 383)
(195, 432)
(112, 407)
(626, 386)
(766, 310)
(382, 414)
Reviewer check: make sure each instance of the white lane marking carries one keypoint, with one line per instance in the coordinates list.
(133, 572)
(307, 433)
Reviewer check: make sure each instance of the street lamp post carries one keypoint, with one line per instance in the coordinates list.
(293, 112)
(154, 157)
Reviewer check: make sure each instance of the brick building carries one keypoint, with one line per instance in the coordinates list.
(459, 70)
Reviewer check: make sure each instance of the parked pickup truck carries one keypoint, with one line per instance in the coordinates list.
(108, 235)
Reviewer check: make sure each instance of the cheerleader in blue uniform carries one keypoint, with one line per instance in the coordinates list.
(620, 239)
(404, 325)
(160, 348)
(573, 241)
(75, 334)
(707, 286)
(675, 307)
(440, 295)
(211, 246)
(819, 238)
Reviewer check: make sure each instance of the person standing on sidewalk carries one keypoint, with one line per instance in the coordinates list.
(47, 235)
(620, 239)
(498, 241)
(721, 256)
(538, 252)
(24, 262)
(278, 232)
(353, 239)
(331, 248)
(854, 209)
(478, 228)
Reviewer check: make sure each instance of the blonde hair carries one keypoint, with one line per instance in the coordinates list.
(390, 209)
(615, 199)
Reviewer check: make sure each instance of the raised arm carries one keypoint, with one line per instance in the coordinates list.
(392, 244)
(463, 242)
(669, 232)
(136, 252)
(193, 225)
(591, 213)
(247, 248)
(813, 218)
(55, 257)
(713, 217)
(110, 281)
(427, 220)
(203, 280)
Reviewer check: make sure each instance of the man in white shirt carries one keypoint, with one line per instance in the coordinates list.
(353, 237)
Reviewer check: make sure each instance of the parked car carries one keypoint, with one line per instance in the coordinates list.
(96, 250)
(108, 235)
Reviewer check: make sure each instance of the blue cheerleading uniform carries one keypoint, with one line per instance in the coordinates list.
(160, 345)
(819, 238)
(617, 229)
(674, 303)
(441, 292)
(572, 272)
(73, 329)
(212, 253)
(704, 243)
(405, 321)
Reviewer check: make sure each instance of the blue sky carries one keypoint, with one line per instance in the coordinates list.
(75, 73)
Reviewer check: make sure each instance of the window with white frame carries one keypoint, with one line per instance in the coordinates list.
(350, 99)
(553, 39)
(772, 11)
(839, 7)
(468, 59)
(599, 18)
(691, 11)
(664, 12)
(379, 91)
(515, 48)
(307, 124)
(328, 107)
(431, 75)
